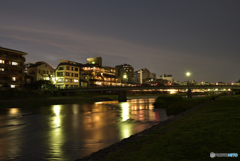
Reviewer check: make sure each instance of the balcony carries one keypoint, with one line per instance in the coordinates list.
(10, 73)
(12, 66)
(11, 57)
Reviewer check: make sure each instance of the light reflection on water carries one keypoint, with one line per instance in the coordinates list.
(68, 132)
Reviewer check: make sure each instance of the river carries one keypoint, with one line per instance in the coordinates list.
(69, 132)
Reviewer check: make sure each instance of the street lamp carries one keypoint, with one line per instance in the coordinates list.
(125, 78)
(188, 75)
(189, 90)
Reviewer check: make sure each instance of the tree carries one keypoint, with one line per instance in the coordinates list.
(44, 86)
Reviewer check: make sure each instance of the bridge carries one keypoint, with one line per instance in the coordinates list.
(122, 89)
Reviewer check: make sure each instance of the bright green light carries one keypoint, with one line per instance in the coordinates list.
(188, 74)
(93, 62)
(125, 76)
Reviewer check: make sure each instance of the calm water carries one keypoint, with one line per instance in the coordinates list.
(68, 132)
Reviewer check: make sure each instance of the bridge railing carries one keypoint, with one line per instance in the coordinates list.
(156, 87)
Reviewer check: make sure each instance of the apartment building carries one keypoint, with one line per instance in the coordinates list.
(95, 61)
(67, 74)
(11, 68)
(166, 77)
(40, 71)
(125, 73)
(144, 76)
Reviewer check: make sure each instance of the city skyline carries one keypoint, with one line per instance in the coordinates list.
(170, 37)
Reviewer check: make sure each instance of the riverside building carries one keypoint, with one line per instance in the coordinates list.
(67, 74)
(99, 76)
(125, 73)
(40, 71)
(11, 68)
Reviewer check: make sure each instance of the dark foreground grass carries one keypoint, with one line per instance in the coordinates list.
(34, 102)
(211, 128)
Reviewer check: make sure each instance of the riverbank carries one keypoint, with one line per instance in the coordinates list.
(191, 135)
(35, 102)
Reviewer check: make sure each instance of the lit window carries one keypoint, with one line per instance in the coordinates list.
(13, 86)
(14, 63)
(60, 80)
(1, 61)
(2, 69)
(14, 78)
(75, 80)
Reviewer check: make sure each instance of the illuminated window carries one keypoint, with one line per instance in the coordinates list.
(14, 78)
(1, 61)
(60, 80)
(2, 69)
(13, 86)
(14, 63)
(66, 80)
(75, 80)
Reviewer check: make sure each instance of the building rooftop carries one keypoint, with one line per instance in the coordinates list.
(11, 50)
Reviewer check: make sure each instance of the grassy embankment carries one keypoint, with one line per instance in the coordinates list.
(213, 127)
(175, 104)
(34, 101)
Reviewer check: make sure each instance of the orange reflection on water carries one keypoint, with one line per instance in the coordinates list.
(126, 130)
(125, 111)
(56, 135)
(14, 110)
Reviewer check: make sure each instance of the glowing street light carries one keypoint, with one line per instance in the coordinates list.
(125, 78)
(188, 75)
(189, 90)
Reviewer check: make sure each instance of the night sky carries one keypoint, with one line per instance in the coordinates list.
(171, 36)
